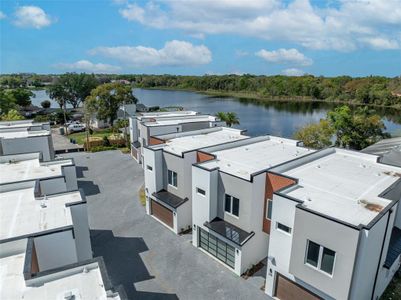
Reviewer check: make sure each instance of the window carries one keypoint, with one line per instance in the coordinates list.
(320, 257)
(232, 205)
(149, 168)
(200, 191)
(172, 178)
(269, 209)
(283, 227)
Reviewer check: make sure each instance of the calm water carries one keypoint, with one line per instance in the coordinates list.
(281, 118)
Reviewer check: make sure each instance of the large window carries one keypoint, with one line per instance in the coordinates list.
(172, 178)
(217, 247)
(232, 205)
(269, 209)
(320, 257)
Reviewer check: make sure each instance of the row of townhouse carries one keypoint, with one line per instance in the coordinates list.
(45, 248)
(327, 220)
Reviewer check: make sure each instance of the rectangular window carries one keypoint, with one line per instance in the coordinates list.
(172, 178)
(269, 209)
(320, 257)
(200, 191)
(149, 168)
(231, 205)
(283, 227)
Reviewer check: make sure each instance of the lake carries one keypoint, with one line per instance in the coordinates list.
(276, 118)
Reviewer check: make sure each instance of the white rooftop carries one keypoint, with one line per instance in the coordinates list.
(85, 285)
(164, 114)
(180, 120)
(344, 185)
(9, 125)
(22, 214)
(8, 134)
(244, 160)
(199, 139)
(27, 169)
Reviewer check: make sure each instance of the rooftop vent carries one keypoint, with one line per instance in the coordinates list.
(69, 296)
(85, 270)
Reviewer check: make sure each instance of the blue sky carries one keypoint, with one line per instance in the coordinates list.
(330, 38)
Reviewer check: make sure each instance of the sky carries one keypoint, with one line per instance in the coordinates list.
(187, 37)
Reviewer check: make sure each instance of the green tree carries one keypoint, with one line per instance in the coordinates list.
(317, 135)
(22, 96)
(45, 104)
(12, 115)
(106, 99)
(58, 94)
(229, 117)
(7, 101)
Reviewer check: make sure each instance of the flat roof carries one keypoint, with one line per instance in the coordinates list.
(164, 114)
(29, 169)
(344, 185)
(246, 159)
(192, 140)
(85, 285)
(9, 125)
(179, 120)
(22, 134)
(22, 214)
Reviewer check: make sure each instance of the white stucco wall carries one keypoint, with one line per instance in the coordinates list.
(83, 246)
(53, 185)
(70, 174)
(153, 178)
(28, 145)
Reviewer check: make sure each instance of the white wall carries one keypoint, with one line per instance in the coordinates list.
(53, 185)
(70, 174)
(55, 250)
(154, 178)
(83, 246)
(184, 217)
(27, 145)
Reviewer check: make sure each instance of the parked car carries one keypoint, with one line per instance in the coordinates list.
(76, 127)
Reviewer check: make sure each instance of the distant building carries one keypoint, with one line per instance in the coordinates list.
(126, 111)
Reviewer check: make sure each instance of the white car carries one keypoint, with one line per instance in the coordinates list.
(76, 127)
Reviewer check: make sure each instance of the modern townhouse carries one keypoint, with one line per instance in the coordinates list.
(335, 231)
(152, 124)
(54, 176)
(57, 224)
(18, 140)
(231, 192)
(21, 277)
(168, 171)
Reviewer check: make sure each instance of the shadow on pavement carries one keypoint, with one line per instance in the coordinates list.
(89, 187)
(80, 171)
(123, 262)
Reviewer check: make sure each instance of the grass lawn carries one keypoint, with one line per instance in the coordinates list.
(393, 290)
(142, 197)
(80, 137)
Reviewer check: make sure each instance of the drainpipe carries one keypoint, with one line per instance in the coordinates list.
(381, 254)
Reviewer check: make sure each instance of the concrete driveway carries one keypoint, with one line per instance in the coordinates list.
(141, 254)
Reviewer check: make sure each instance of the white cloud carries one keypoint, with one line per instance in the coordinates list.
(285, 56)
(293, 72)
(87, 66)
(2, 15)
(241, 53)
(174, 53)
(346, 26)
(382, 43)
(32, 16)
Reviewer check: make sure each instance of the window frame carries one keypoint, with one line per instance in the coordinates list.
(320, 258)
(278, 224)
(172, 178)
(269, 210)
(149, 168)
(202, 193)
(231, 206)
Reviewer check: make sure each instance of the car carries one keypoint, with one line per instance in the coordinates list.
(76, 127)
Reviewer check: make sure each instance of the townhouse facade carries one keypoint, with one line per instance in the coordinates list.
(230, 191)
(167, 167)
(146, 125)
(335, 231)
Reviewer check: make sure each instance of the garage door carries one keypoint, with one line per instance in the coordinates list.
(162, 213)
(289, 290)
(217, 248)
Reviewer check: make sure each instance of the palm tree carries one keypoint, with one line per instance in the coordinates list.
(230, 118)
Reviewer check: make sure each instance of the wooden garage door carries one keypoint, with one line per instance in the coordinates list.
(288, 290)
(163, 214)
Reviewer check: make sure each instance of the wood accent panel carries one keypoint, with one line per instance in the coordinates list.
(34, 260)
(155, 141)
(289, 290)
(274, 182)
(202, 156)
(162, 213)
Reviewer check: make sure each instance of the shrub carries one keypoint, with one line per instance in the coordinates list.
(45, 104)
(106, 141)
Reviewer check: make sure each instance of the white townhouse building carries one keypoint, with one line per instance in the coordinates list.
(168, 171)
(57, 224)
(146, 125)
(231, 189)
(335, 227)
(53, 176)
(25, 125)
(18, 139)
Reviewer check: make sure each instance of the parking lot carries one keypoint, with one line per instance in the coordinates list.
(145, 257)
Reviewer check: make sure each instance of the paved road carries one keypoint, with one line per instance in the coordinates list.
(141, 254)
(62, 142)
